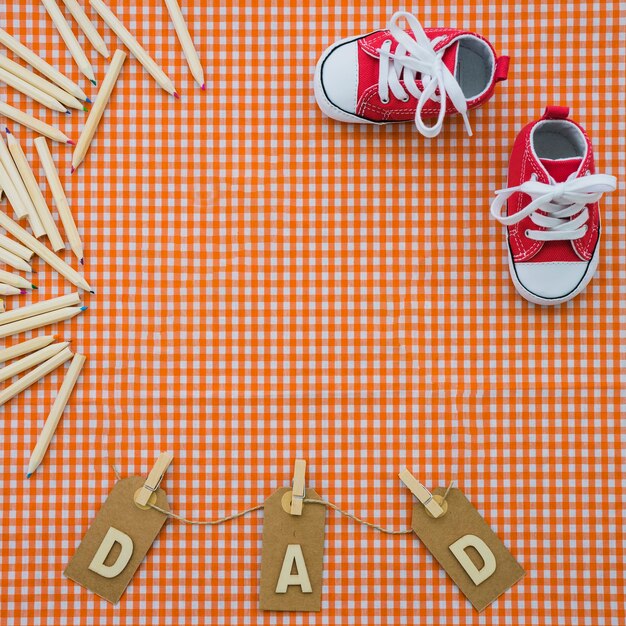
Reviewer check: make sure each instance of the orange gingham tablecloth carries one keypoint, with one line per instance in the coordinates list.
(272, 285)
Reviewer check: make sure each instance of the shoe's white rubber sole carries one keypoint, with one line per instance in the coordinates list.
(535, 299)
(327, 107)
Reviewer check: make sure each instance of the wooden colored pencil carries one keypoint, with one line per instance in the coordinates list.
(16, 248)
(133, 45)
(8, 290)
(31, 91)
(38, 321)
(42, 252)
(40, 65)
(63, 207)
(95, 115)
(52, 421)
(34, 191)
(87, 27)
(39, 308)
(26, 347)
(33, 376)
(14, 261)
(33, 123)
(78, 54)
(189, 50)
(31, 360)
(16, 280)
(25, 204)
(12, 196)
(41, 83)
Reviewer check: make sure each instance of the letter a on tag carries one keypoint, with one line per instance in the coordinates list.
(293, 554)
(117, 541)
(466, 547)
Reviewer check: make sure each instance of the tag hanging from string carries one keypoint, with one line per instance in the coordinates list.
(463, 543)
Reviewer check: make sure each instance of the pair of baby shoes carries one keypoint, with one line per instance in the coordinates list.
(550, 207)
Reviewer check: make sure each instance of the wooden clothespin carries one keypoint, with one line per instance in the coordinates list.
(297, 487)
(421, 493)
(142, 496)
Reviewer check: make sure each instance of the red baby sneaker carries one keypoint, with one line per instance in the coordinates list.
(551, 209)
(396, 76)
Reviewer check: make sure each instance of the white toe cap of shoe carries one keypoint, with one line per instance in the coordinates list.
(551, 280)
(340, 76)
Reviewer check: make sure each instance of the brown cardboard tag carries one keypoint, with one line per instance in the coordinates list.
(292, 556)
(466, 547)
(117, 541)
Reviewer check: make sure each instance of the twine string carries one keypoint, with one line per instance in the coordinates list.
(258, 507)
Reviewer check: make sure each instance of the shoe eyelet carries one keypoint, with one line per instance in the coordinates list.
(405, 99)
(386, 101)
(527, 232)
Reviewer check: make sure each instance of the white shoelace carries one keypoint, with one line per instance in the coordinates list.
(418, 55)
(558, 203)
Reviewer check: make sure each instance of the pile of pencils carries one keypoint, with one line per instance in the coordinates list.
(48, 87)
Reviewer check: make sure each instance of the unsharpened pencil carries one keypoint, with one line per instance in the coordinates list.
(41, 83)
(58, 193)
(41, 66)
(91, 32)
(26, 347)
(33, 123)
(34, 375)
(34, 191)
(189, 50)
(149, 64)
(69, 38)
(52, 421)
(42, 252)
(8, 278)
(11, 192)
(31, 360)
(95, 115)
(39, 308)
(39, 321)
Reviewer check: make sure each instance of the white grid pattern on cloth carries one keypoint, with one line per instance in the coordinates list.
(273, 285)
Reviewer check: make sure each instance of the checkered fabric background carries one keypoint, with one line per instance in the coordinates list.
(271, 285)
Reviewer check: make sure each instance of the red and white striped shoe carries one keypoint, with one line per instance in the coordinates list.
(550, 209)
(395, 75)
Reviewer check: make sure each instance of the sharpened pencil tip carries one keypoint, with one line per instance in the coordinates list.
(82, 261)
(34, 286)
(72, 143)
(203, 87)
(88, 100)
(86, 109)
(68, 112)
(73, 170)
(92, 291)
(7, 131)
(175, 94)
(84, 308)
(29, 475)
(23, 291)
(93, 82)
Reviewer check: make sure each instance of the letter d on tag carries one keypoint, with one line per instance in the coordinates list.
(466, 547)
(117, 541)
(293, 555)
